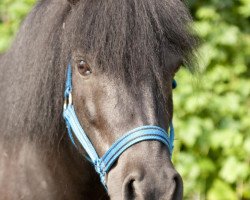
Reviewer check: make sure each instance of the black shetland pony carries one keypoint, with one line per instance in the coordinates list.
(124, 55)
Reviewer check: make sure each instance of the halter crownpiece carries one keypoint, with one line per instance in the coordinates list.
(103, 164)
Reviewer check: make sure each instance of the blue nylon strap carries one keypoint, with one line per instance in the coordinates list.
(68, 86)
(70, 132)
(139, 134)
(171, 137)
(103, 165)
(71, 118)
(67, 93)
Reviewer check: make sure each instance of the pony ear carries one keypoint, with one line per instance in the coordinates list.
(73, 2)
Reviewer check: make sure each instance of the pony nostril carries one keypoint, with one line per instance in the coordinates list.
(129, 193)
(178, 187)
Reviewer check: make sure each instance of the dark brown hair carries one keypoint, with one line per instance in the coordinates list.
(133, 39)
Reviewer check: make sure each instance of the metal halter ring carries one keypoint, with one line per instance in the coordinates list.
(67, 101)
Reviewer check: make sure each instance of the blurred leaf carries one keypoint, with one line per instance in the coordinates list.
(221, 191)
(233, 170)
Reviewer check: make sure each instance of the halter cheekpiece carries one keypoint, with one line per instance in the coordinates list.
(103, 164)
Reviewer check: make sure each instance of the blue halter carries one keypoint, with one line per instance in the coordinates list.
(103, 164)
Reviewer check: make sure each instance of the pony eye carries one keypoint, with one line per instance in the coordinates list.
(84, 68)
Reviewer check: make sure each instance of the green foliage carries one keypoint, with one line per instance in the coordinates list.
(212, 118)
(11, 15)
(212, 111)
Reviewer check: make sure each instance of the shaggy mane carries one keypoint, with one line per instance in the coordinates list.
(133, 39)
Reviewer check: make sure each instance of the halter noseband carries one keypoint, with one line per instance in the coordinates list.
(103, 164)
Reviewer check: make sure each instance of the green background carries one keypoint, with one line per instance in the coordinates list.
(212, 109)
